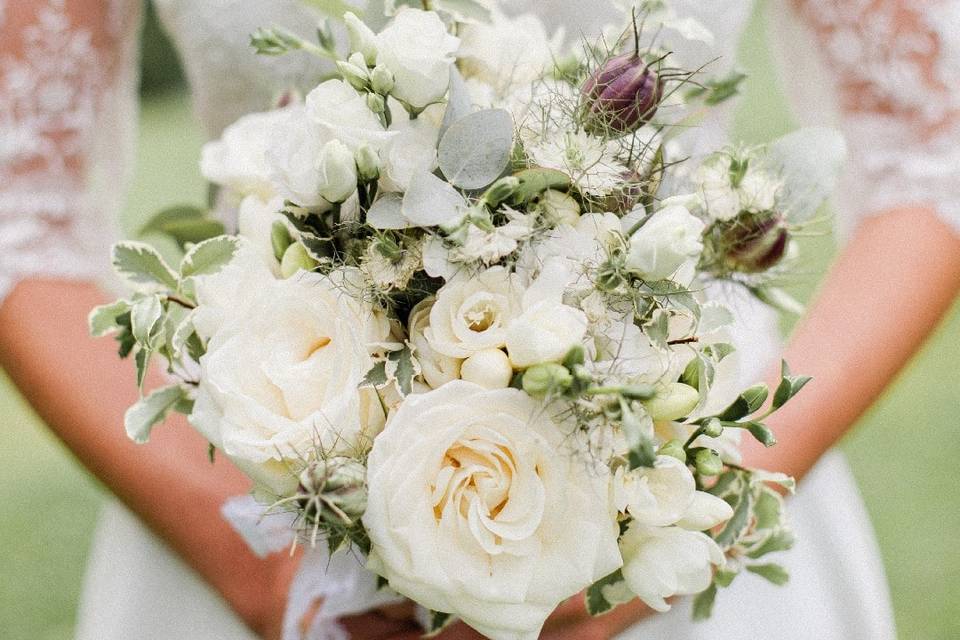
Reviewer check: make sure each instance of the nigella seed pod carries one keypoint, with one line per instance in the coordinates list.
(621, 96)
(754, 242)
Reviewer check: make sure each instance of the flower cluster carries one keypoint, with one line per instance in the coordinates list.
(467, 322)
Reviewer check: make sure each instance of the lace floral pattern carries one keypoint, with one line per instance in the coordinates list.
(66, 76)
(897, 70)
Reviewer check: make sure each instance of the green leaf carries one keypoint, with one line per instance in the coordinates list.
(377, 376)
(768, 509)
(722, 89)
(738, 170)
(104, 319)
(746, 403)
(403, 369)
(211, 453)
(185, 224)
(789, 387)
(772, 572)
(718, 351)
(125, 336)
(142, 360)
(332, 8)
(209, 257)
(606, 593)
(437, 621)
(475, 150)
(642, 452)
(779, 540)
(145, 318)
(150, 410)
(658, 329)
(182, 334)
(739, 521)
(536, 180)
(142, 266)
(724, 578)
(464, 10)
(703, 603)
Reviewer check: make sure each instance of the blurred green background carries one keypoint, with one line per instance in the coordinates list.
(904, 453)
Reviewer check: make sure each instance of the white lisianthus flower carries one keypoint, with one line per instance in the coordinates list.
(238, 159)
(281, 376)
(417, 49)
(342, 113)
(338, 172)
(436, 368)
(547, 329)
(656, 496)
(671, 239)
(472, 313)
(508, 52)
(255, 221)
(495, 520)
(660, 562)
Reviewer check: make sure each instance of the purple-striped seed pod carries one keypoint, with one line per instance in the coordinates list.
(754, 242)
(621, 96)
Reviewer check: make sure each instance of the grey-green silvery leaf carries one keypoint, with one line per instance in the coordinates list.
(431, 202)
(150, 410)
(142, 267)
(209, 256)
(476, 149)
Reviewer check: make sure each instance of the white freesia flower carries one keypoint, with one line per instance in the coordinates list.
(338, 172)
(238, 159)
(472, 313)
(417, 49)
(342, 113)
(495, 519)
(622, 350)
(547, 328)
(705, 512)
(660, 562)
(656, 496)
(413, 149)
(281, 375)
(508, 52)
(436, 368)
(671, 239)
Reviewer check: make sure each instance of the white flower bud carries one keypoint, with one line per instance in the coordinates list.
(368, 162)
(489, 368)
(338, 170)
(376, 103)
(559, 207)
(362, 39)
(294, 259)
(381, 79)
(669, 240)
(673, 401)
(355, 76)
(357, 60)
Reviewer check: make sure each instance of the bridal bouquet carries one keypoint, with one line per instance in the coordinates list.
(469, 327)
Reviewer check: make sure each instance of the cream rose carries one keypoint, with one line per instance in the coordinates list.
(435, 368)
(472, 313)
(478, 508)
(417, 49)
(281, 376)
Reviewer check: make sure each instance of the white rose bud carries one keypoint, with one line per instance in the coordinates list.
(417, 49)
(545, 333)
(338, 172)
(362, 39)
(491, 369)
(671, 239)
(436, 368)
(368, 162)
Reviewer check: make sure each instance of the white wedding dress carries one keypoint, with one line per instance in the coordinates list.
(67, 127)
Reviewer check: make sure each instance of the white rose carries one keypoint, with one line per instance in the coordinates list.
(671, 239)
(547, 329)
(472, 313)
(493, 519)
(231, 292)
(342, 113)
(417, 49)
(255, 221)
(657, 496)
(293, 158)
(490, 368)
(281, 378)
(660, 562)
(436, 369)
(238, 159)
(338, 172)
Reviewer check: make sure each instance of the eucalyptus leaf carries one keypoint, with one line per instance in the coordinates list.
(459, 102)
(150, 410)
(143, 267)
(431, 202)
(476, 149)
(209, 257)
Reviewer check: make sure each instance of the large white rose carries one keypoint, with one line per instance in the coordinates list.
(281, 377)
(342, 113)
(238, 159)
(660, 562)
(417, 49)
(547, 329)
(671, 239)
(477, 507)
(472, 313)
(293, 157)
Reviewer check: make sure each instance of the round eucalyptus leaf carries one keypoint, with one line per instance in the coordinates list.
(476, 149)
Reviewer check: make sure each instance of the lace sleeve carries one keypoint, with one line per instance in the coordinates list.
(894, 68)
(67, 122)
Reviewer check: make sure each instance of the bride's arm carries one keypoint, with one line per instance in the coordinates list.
(81, 390)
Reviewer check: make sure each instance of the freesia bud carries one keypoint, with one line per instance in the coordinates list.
(368, 162)
(674, 449)
(542, 379)
(376, 103)
(355, 76)
(621, 96)
(382, 80)
(559, 207)
(489, 368)
(500, 191)
(294, 259)
(708, 463)
(280, 239)
(672, 402)
(362, 39)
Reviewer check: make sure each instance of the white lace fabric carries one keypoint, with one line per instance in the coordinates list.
(67, 119)
(894, 66)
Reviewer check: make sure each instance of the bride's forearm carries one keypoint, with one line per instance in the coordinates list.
(884, 295)
(81, 389)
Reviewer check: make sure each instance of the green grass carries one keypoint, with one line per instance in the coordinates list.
(904, 453)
